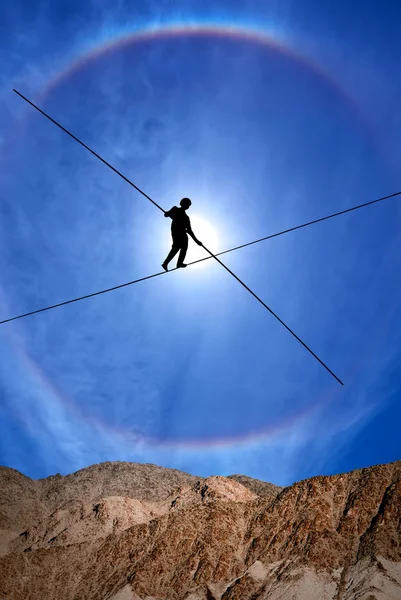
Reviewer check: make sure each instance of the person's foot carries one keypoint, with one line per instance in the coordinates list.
(181, 266)
(164, 265)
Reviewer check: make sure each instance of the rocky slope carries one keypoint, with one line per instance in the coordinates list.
(122, 531)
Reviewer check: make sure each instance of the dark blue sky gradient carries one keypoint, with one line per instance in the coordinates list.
(188, 370)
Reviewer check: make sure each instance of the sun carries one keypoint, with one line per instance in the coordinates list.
(207, 234)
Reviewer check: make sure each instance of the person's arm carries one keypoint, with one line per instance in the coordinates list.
(168, 213)
(191, 233)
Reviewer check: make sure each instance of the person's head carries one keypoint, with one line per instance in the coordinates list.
(185, 203)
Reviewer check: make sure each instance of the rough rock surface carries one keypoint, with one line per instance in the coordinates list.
(124, 531)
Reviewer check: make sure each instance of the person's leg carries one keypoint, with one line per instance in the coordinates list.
(183, 251)
(174, 249)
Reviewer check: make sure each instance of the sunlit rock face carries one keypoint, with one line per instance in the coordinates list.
(125, 531)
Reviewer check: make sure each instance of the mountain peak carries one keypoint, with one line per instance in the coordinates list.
(127, 531)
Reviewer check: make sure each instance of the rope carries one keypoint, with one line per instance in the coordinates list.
(116, 287)
(122, 285)
(342, 212)
(194, 262)
(211, 254)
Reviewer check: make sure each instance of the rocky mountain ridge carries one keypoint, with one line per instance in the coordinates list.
(124, 531)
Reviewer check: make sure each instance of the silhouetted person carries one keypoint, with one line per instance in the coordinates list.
(180, 226)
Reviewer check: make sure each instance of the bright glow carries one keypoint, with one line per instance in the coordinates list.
(207, 234)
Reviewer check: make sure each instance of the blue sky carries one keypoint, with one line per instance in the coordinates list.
(188, 370)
